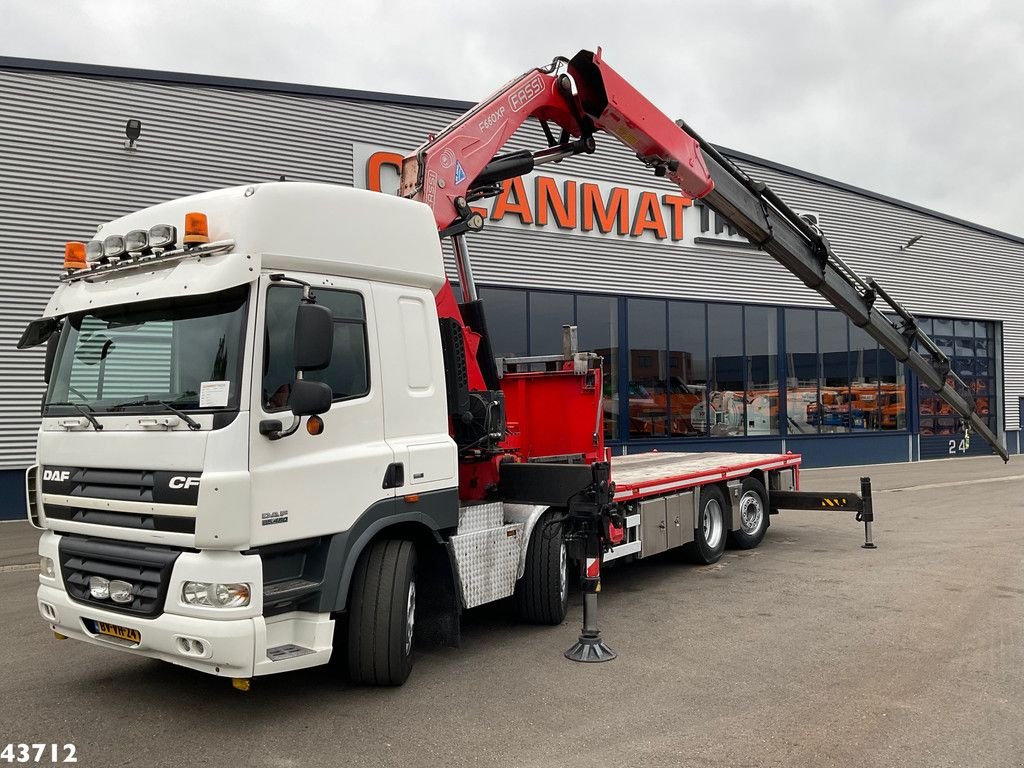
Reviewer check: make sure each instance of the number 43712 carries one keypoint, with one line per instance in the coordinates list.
(38, 753)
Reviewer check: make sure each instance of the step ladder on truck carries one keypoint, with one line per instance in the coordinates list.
(261, 451)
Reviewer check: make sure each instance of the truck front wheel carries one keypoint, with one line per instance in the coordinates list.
(542, 595)
(382, 614)
(709, 536)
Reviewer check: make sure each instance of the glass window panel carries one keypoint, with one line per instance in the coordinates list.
(801, 371)
(505, 310)
(598, 321)
(548, 313)
(865, 395)
(727, 403)
(687, 368)
(834, 406)
(762, 350)
(648, 393)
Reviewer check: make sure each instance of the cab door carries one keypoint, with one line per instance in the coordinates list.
(308, 485)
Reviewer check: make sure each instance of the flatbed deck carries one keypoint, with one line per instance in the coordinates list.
(649, 474)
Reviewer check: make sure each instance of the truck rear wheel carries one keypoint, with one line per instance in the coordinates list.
(753, 515)
(709, 536)
(542, 595)
(382, 614)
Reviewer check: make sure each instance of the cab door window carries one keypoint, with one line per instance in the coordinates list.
(348, 375)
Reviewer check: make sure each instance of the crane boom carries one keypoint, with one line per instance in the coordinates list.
(583, 96)
(764, 219)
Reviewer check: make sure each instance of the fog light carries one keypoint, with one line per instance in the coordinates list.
(46, 567)
(99, 588)
(215, 595)
(120, 591)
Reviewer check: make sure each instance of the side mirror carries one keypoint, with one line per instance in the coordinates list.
(51, 353)
(310, 398)
(314, 337)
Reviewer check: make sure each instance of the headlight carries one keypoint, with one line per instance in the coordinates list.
(163, 236)
(113, 247)
(99, 588)
(137, 240)
(120, 591)
(215, 595)
(46, 567)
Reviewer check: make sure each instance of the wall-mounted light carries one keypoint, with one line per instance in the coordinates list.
(132, 131)
(910, 242)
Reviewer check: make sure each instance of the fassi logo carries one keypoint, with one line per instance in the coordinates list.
(180, 482)
(57, 475)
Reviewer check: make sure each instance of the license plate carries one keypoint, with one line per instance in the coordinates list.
(121, 633)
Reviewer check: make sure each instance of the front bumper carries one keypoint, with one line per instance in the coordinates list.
(227, 645)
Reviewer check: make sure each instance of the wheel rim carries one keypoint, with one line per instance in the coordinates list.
(563, 573)
(751, 512)
(410, 617)
(712, 527)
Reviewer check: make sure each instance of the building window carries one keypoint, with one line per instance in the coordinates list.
(727, 402)
(801, 372)
(761, 340)
(505, 311)
(970, 345)
(548, 313)
(648, 379)
(598, 321)
(687, 368)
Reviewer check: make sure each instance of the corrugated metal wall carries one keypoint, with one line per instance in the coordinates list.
(64, 169)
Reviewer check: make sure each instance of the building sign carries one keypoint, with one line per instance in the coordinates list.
(548, 200)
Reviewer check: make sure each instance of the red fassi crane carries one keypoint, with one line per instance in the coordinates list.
(579, 96)
(582, 96)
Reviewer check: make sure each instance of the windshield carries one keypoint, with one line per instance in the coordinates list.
(184, 353)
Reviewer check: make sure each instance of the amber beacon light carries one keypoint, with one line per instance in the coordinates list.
(197, 229)
(74, 256)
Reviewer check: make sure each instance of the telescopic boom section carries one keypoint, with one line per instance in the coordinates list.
(764, 219)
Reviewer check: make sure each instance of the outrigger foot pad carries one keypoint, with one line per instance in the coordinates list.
(590, 649)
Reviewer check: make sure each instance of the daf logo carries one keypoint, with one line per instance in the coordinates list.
(57, 475)
(180, 482)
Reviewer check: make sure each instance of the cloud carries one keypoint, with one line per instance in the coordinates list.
(918, 99)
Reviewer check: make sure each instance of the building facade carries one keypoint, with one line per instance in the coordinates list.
(708, 344)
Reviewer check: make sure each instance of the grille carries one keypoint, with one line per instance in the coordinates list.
(148, 569)
(165, 523)
(120, 484)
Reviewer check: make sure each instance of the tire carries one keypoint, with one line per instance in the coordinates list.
(542, 595)
(710, 534)
(382, 614)
(753, 515)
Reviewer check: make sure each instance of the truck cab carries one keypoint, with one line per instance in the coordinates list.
(180, 520)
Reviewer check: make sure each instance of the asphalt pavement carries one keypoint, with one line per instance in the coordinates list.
(808, 651)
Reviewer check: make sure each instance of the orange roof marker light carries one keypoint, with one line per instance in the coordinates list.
(74, 256)
(197, 230)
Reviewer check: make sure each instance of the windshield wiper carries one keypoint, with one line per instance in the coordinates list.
(92, 419)
(168, 404)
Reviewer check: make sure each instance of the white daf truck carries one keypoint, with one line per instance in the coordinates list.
(271, 436)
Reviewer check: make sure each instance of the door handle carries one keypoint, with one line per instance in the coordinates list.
(394, 475)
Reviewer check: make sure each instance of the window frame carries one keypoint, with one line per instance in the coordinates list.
(335, 320)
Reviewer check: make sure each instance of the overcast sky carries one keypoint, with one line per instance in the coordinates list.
(922, 100)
